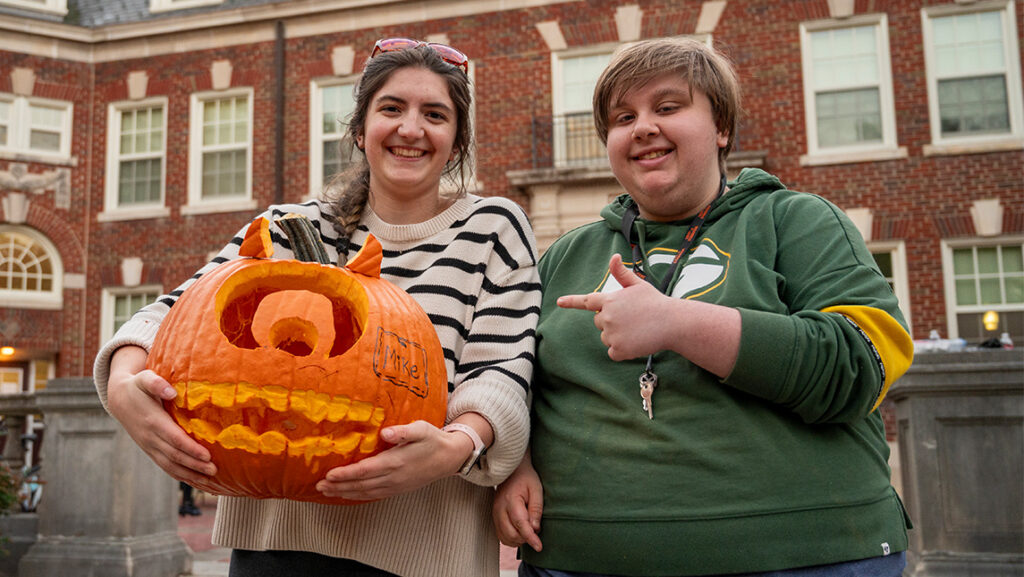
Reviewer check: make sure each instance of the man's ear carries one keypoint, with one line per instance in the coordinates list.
(722, 139)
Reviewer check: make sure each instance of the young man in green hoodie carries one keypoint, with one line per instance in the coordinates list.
(710, 359)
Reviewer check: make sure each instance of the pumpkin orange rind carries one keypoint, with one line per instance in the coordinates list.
(278, 394)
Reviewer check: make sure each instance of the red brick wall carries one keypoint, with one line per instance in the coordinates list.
(919, 199)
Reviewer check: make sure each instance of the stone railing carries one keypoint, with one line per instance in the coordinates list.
(107, 510)
(960, 428)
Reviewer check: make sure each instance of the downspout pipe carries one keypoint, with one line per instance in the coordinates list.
(279, 112)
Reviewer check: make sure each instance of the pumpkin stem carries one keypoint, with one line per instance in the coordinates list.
(305, 240)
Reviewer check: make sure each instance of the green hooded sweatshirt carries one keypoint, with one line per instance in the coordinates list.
(784, 463)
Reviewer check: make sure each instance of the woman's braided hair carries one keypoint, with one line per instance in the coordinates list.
(349, 191)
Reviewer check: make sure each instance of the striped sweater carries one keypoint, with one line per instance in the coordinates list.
(472, 269)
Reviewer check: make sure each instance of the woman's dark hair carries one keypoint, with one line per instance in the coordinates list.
(349, 191)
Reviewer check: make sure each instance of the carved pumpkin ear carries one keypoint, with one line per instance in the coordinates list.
(367, 260)
(256, 243)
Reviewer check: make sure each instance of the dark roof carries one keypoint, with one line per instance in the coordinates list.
(96, 13)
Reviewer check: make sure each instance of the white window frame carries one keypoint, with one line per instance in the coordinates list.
(952, 327)
(888, 148)
(558, 106)
(112, 210)
(169, 5)
(19, 132)
(196, 203)
(316, 132)
(110, 295)
(897, 250)
(59, 7)
(1014, 139)
(50, 300)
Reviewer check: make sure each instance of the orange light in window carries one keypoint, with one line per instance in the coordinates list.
(6, 351)
(990, 320)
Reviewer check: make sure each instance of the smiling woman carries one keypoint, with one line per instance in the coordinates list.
(246, 387)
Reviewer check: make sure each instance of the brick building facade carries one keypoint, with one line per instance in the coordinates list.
(136, 137)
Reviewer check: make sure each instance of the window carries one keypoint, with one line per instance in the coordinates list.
(166, 5)
(35, 126)
(120, 304)
(136, 140)
(848, 90)
(10, 380)
(574, 139)
(30, 269)
(891, 258)
(973, 72)
(42, 370)
(51, 6)
(981, 278)
(221, 151)
(331, 104)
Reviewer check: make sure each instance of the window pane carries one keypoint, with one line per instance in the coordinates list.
(968, 43)
(24, 264)
(963, 261)
(990, 292)
(851, 117)
(337, 104)
(224, 173)
(844, 57)
(1013, 261)
(579, 75)
(965, 292)
(988, 260)
(1015, 290)
(884, 262)
(39, 140)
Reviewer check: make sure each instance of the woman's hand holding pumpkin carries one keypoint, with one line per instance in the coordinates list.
(421, 454)
(518, 507)
(134, 396)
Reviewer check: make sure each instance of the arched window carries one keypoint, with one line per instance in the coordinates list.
(31, 273)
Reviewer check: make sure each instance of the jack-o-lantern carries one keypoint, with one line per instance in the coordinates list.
(285, 369)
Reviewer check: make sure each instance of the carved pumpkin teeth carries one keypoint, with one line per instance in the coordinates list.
(275, 443)
(317, 407)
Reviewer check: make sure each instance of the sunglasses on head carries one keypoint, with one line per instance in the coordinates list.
(447, 53)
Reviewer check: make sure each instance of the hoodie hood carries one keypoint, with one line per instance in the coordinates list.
(751, 183)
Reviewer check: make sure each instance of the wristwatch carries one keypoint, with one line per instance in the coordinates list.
(478, 445)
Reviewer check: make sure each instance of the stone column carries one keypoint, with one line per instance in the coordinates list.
(106, 510)
(960, 419)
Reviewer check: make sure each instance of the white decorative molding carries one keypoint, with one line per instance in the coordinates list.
(840, 8)
(710, 14)
(23, 81)
(987, 216)
(138, 83)
(628, 22)
(342, 60)
(551, 32)
(17, 178)
(15, 207)
(863, 219)
(131, 271)
(74, 280)
(220, 74)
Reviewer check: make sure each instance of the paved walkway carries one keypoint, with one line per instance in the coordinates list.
(211, 561)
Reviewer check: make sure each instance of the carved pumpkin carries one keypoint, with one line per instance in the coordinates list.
(286, 369)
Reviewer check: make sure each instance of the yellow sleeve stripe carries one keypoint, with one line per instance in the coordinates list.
(891, 342)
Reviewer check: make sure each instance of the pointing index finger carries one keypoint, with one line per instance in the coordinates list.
(589, 302)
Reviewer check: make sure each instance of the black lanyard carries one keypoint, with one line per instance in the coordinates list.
(632, 212)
